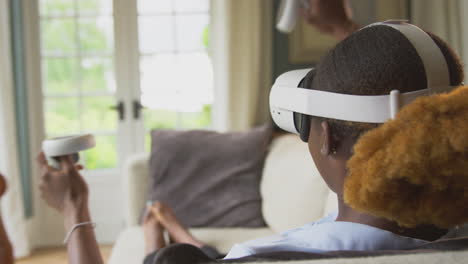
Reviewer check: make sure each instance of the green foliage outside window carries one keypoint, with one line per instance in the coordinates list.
(71, 70)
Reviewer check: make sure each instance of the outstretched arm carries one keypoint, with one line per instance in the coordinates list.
(66, 191)
(333, 17)
(6, 250)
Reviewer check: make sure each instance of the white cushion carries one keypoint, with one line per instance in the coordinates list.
(129, 248)
(130, 245)
(135, 182)
(292, 189)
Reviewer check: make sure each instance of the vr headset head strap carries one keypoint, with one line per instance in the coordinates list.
(291, 108)
(435, 65)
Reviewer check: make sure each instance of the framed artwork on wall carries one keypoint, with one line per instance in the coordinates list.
(307, 45)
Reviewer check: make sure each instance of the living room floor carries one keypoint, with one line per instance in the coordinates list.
(57, 256)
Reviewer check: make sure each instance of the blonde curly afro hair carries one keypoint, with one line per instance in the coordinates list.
(414, 169)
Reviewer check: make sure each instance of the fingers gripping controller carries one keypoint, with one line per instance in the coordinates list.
(64, 146)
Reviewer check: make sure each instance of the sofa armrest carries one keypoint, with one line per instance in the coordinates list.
(135, 185)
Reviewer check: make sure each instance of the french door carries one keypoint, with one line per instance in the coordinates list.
(120, 68)
(117, 69)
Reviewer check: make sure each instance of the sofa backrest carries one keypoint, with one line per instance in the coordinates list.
(135, 181)
(292, 189)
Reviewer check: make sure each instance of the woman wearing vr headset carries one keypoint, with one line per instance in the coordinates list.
(399, 185)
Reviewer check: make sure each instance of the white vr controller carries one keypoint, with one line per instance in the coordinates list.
(288, 14)
(63, 146)
(287, 100)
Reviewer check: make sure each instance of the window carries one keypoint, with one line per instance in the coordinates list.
(175, 69)
(101, 61)
(77, 59)
(80, 62)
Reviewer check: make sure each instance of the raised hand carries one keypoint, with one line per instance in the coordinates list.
(332, 17)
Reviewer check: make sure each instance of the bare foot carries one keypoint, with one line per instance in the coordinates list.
(176, 230)
(154, 233)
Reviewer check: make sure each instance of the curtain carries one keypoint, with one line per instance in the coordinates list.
(11, 203)
(241, 51)
(447, 19)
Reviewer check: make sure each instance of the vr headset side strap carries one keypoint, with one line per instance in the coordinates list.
(357, 108)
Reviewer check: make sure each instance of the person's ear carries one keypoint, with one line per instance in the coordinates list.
(325, 139)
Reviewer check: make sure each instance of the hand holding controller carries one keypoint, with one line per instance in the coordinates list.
(64, 146)
(332, 17)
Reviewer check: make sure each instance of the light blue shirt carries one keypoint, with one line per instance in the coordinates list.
(326, 235)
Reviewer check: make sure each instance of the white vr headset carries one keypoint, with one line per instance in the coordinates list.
(291, 106)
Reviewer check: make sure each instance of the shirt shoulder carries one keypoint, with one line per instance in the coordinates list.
(275, 242)
(325, 235)
(239, 251)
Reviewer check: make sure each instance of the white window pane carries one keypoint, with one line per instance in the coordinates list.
(59, 75)
(58, 36)
(191, 32)
(156, 34)
(182, 82)
(56, 7)
(192, 5)
(154, 6)
(103, 156)
(97, 7)
(195, 120)
(160, 119)
(96, 35)
(97, 115)
(97, 75)
(158, 76)
(62, 116)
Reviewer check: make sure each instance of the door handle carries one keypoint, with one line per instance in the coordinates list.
(120, 108)
(137, 107)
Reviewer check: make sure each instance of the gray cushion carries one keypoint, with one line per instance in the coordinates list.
(210, 179)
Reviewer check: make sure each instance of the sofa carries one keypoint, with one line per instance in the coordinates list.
(293, 194)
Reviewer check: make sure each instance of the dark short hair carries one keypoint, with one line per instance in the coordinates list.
(374, 61)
